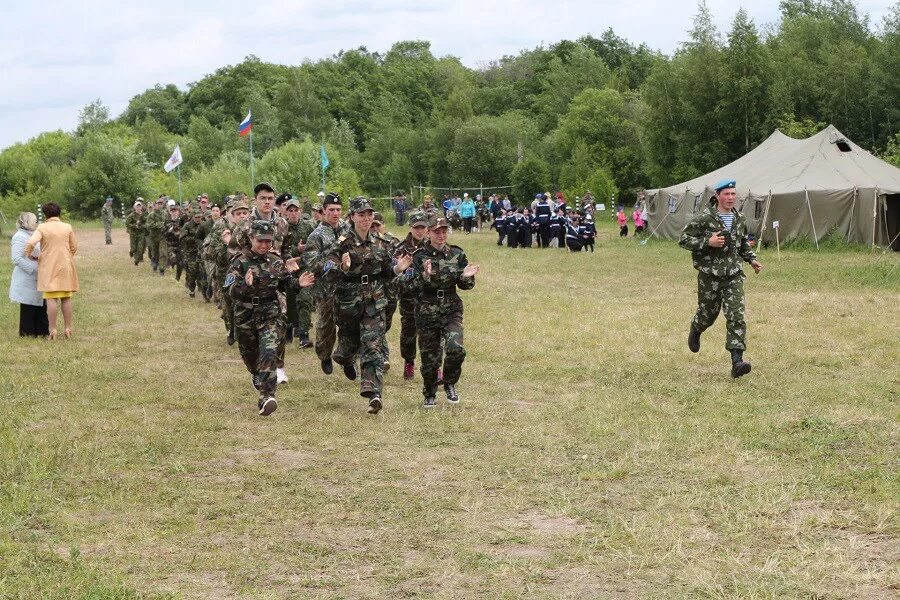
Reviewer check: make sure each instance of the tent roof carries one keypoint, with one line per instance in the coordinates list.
(783, 164)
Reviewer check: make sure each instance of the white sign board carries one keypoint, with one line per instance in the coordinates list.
(600, 206)
(775, 224)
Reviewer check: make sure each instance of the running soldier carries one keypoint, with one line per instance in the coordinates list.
(253, 281)
(717, 239)
(136, 225)
(438, 270)
(106, 214)
(414, 240)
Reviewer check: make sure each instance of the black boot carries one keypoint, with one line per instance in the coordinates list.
(327, 367)
(694, 340)
(350, 371)
(738, 366)
(303, 340)
(289, 335)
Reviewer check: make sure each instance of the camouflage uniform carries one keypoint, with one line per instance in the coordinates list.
(156, 241)
(190, 252)
(240, 237)
(720, 277)
(136, 224)
(408, 299)
(439, 311)
(106, 214)
(258, 317)
(360, 299)
(314, 260)
(299, 304)
(172, 233)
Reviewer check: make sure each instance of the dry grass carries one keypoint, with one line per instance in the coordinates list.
(592, 456)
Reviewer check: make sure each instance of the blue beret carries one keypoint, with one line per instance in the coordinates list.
(725, 183)
(538, 196)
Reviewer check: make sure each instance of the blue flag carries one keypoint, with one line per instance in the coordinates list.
(324, 159)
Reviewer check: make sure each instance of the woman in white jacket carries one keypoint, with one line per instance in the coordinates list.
(23, 285)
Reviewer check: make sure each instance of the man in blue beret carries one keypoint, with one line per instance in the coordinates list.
(717, 239)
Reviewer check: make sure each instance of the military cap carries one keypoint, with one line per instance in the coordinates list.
(203, 195)
(139, 199)
(317, 207)
(538, 196)
(418, 219)
(262, 230)
(291, 202)
(138, 202)
(281, 199)
(109, 198)
(725, 184)
(194, 206)
(378, 218)
(263, 185)
(360, 204)
(239, 205)
(331, 198)
(170, 203)
(439, 223)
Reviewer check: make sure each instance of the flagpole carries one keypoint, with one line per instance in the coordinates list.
(252, 174)
(180, 199)
(323, 165)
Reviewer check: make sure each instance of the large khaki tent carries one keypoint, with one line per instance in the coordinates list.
(812, 187)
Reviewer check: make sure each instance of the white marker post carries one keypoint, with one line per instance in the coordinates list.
(775, 226)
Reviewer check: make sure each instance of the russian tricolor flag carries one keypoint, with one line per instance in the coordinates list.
(246, 125)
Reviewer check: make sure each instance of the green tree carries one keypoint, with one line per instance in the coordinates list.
(154, 141)
(564, 79)
(164, 104)
(92, 117)
(107, 166)
(746, 76)
(530, 176)
(485, 149)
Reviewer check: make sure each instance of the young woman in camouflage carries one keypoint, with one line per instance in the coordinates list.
(438, 270)
(363, 269)
(717, 239)
(253, 281)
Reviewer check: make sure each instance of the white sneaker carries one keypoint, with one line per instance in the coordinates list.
(281, 376)
(268, 407)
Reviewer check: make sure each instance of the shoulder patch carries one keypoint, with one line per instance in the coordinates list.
(229, 279)
(342, 239)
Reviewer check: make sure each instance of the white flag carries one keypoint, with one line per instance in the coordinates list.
(174, 160)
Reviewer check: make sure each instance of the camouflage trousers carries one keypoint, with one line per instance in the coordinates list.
(433, 342)
(726, 294)
(107, 231)
(158, 249)
(408, 328)
(299, 309)
(138, 245)
(209, 270)
(325, 328)
(361, 333)
(227, 308)
(260, 342)
(175, 260)
(389, 311)
(192, 272)
(153, 241)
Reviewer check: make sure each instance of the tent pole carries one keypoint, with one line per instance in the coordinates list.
(762, 229)
(874, 218)
(852, 208)
(811, 220)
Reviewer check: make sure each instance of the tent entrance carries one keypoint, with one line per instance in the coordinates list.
(892, 202)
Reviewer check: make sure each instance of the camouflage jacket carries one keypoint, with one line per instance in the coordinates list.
(318, 244)
(371, 272)
(720, 262)
(436, 296)
(218, 249)
(240, 235)
(408, 245)
(269, 277)
(297, 232)
(156, 221)
(136, 223)
(106, 213)
(172, 233)
(190, 238)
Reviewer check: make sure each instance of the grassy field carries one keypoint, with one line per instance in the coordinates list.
(592, 456)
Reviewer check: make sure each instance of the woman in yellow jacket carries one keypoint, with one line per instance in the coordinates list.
(57, 275)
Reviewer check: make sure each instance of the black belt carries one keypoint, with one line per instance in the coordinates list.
(439, 294)
(257, 300)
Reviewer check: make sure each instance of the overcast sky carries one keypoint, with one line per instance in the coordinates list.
(58, 56)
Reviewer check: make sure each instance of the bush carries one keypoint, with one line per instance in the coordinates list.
(530, 176)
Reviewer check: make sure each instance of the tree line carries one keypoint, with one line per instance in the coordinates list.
(597, 113)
